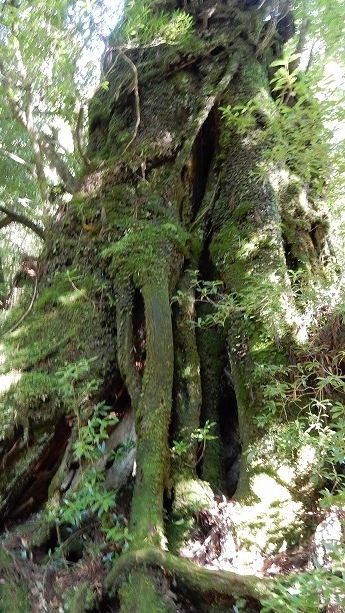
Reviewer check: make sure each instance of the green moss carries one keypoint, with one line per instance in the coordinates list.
(273, 518)
(56, 332)
(81, 598)
(20, 401)
(117, 131)
(242, 210)
(34, 388)
(190, 496)
(147, 249)
(142, 588)
(187, 395)
(98, 113)
(212, 351)
(49, 297)
(13, 597)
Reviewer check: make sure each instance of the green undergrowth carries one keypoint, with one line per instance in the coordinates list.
(302, 420)
(13, 593)
(317, 589)
(80, 598)
(89, 496)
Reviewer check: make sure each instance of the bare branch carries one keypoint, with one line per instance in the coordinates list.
(270, 30)
(25, 119)
(302, 37)
(33, 298)
(22, 108)
(24, 116)
(5, 222)
(11, 216)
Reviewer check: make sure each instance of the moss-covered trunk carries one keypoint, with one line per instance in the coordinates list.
(248, 250)
(153, 419)
(175, 186)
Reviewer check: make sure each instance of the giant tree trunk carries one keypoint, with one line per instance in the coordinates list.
(173, 187)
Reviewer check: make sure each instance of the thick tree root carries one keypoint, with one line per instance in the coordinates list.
(153, 417)
(187, 384)
(149, 597)
(218, 583)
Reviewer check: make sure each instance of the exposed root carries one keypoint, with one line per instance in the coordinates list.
(135, 88)
(205, 581)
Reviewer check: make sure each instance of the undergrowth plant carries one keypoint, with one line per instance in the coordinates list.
(307, 399)
(144, 24)
(200, 436)
(312, 591)
(304, 406)
(93, 422)
(296, 115)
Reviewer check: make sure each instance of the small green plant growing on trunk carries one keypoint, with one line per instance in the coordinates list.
(92, 426)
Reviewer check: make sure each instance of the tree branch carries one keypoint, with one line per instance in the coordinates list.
(302, 37)
(11, 216)
(5, 222)
(22, 111)
(25, 119)
(48, 144)
(18, 159)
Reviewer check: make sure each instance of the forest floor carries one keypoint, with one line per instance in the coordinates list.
(81, 558)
